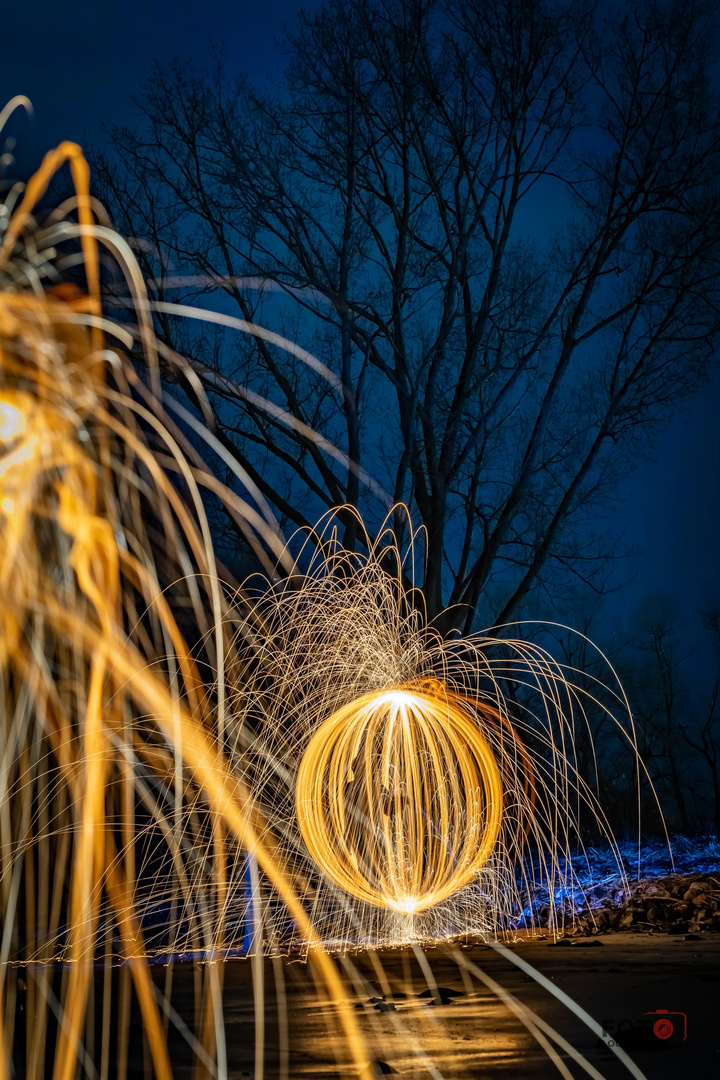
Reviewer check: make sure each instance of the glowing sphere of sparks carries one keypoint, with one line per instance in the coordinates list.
(398, 797)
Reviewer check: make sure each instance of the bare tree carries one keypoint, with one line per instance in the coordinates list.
(704, 736)
(497, 233)
(659, 696)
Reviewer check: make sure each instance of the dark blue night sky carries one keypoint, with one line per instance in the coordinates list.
(80, 63)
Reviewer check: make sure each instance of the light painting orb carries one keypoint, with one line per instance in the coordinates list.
(399, 798)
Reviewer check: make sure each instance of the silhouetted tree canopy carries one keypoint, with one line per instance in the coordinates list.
(495, 222)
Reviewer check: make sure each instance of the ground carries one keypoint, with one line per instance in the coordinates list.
(617, 978)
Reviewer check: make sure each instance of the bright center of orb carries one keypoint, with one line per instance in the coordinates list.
(408, 906)
(399, 797)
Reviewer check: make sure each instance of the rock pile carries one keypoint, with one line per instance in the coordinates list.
(678, 904)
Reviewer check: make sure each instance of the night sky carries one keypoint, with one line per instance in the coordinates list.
(79, 65)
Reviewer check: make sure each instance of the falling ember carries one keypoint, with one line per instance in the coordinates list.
(399, 798)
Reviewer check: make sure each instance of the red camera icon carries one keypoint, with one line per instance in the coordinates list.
(669, 1024)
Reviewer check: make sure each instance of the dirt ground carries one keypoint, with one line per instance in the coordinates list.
(464, 1031)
